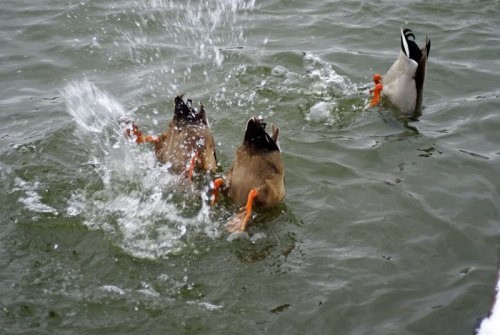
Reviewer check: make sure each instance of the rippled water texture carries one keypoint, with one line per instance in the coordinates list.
(388, 226)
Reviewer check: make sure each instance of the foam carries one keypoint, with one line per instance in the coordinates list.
(31, 199)
(141, 205)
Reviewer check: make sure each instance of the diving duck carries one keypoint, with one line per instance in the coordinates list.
(188, 142)
(256, 176)
(403, 84)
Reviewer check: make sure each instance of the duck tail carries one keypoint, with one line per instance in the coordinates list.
(182, 110)
(409, 46)
(421, 73)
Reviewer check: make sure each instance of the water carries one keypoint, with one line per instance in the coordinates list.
(387, 227)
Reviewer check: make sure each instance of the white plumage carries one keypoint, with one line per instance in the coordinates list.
(403, 83)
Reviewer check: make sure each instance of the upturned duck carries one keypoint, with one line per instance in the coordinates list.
(188, 143)
(403, 84)
(256, 176)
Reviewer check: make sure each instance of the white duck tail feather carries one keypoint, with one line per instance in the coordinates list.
(404, 43)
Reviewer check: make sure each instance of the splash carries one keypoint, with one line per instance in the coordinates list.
(169, 45)
(321, 111)
(204, 27)
(325, 79)
(340, 100)
(313, 87)
(96, 114)
(198, 28)
(134, 199)
(31, 198)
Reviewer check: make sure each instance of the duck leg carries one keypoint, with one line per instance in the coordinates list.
(133, 130)
(251, 196)
(376, 91)
(192, 164)
(240, 221)
(215, 193)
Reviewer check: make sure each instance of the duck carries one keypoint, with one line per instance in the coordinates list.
(490, 324)
(403, 84)
(256, 176)
(187, 144)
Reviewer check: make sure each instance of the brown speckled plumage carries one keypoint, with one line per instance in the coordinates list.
(258, 164)
(187, 134)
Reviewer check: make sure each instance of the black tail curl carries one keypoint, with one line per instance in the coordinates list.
(414, 51)
(256, 136)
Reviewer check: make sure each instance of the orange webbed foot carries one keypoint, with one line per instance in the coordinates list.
(133, 131)
(376, 93)
(217, 183)
(148, 138)
(239, 221)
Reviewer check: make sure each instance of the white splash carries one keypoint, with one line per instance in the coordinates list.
(31, 198)
(202, 28)
(321, 111)
(134, 203)
(112, 289)
(325, 77)
(96, 114)
(205, 305)
(491, 324)
(92, 109)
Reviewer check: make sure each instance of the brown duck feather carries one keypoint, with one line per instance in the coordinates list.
(187, 135)
(258, 164)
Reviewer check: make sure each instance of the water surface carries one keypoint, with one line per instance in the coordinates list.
(388, 227)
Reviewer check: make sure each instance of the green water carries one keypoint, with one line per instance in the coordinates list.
(387, 227)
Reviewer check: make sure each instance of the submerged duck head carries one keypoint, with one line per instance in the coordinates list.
(257, 137)
(185, 111)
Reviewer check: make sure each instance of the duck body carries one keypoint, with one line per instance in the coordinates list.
(403, 84)
(399, 84)
(261, 169)
(257, 174)
(188, 139)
